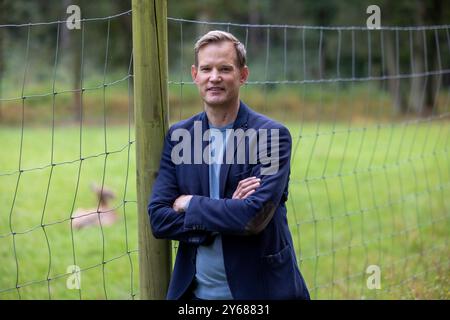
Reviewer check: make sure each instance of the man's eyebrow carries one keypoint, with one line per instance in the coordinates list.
(223, 64)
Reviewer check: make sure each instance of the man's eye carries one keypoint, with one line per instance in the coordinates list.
(205, 69)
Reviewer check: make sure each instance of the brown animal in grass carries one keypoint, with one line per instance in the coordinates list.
(105, 215)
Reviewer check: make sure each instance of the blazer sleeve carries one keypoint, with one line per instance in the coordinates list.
(244, 216)
(165, 222)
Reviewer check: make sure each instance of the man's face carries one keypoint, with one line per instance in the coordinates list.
(217, 76)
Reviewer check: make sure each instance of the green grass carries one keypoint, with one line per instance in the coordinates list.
(372, 197)
(358, 197)
(39, 258)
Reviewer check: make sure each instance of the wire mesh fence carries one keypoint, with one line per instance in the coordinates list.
(68, 203)
(368, 111)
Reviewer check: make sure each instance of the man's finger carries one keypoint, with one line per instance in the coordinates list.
(245, 185)
(246, 182)
(242, 192)
(249, 193)
(247, 179)
(249, 187)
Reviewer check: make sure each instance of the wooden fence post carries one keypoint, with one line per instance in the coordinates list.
(151, 122)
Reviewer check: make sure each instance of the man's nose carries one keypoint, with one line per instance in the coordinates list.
(215, 76)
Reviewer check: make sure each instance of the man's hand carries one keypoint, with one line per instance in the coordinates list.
(181, 202)
(246, 187)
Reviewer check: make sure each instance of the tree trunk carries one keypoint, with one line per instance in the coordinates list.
(255, 35)
(416, 96)
(70, 43)
(429, 13)
(393, 71)
(75, 44)
(204, 13)
(323, 19)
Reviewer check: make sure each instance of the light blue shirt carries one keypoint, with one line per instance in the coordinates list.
(210, 274)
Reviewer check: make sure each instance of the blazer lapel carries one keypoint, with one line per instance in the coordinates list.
(241, 122)
(203, 168)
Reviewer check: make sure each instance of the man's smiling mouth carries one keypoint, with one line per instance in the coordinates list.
(215, 89)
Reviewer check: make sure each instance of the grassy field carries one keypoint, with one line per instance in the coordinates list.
(372, 197)
(360, 195)
(38, 252)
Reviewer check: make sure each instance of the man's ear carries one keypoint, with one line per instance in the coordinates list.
(193, 72)
(244, 74)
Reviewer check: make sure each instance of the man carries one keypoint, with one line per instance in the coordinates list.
(223, 200)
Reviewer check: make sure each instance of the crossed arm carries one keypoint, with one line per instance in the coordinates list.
(248, 212)
(245, 188)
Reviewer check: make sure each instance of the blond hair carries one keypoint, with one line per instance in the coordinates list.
(219, 36)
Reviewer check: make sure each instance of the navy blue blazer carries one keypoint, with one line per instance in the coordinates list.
(258, 251)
